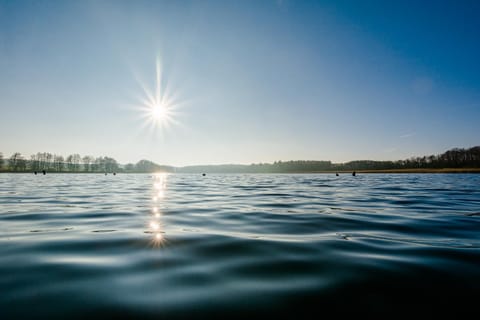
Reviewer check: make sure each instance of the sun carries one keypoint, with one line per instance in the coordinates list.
(158, 107)
(159, 112)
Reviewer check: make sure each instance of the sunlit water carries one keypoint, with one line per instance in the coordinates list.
(238, 245)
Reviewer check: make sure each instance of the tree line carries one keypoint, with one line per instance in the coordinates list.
(72, 163)
(454, 158)
(57, 163)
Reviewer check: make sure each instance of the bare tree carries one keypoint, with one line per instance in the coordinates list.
(34, 162)
(17, 162)
(76, 162)
(12, 162)
(87, 161)
(111, 165)
(48, 161)
(69, 162)
(100, 164)
(59, 163)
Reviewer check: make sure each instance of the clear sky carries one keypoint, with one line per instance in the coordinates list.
(246, 81)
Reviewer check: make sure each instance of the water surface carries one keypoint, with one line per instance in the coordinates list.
(238, 245)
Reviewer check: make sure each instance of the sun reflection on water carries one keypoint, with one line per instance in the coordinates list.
(155, 226)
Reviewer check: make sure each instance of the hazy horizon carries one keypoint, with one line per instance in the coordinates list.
(239, 82)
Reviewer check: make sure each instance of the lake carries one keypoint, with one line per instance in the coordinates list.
(226, 245)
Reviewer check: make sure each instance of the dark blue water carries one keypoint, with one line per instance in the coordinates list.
(238, 245)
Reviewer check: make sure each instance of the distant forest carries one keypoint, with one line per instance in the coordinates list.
(454, 158)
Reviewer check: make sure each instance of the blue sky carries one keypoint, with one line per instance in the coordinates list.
(251, 81)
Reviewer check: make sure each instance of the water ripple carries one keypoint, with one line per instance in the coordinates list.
(127, 246)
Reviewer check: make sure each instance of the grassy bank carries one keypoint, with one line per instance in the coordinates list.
(442, 170)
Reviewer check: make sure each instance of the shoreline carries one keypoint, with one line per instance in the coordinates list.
(443, 170)
(373, 171)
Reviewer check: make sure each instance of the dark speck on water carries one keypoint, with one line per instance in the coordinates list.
(174, 246)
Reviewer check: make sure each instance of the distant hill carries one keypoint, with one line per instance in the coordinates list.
(276, 167)
(454, 158)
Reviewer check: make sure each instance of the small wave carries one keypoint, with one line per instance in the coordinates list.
(473, 214)
(233, 243)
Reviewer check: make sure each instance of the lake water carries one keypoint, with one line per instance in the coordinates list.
(89, 245)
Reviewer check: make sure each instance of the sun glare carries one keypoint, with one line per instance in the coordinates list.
(158, 107)
(159, 112)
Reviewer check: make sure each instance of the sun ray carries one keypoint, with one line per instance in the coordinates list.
(158, 108)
